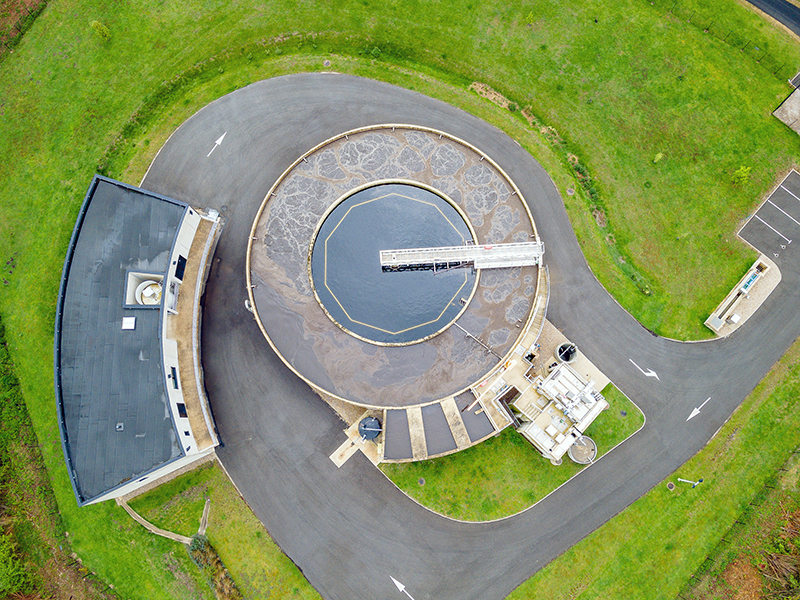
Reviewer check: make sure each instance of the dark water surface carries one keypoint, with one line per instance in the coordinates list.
(389, 307)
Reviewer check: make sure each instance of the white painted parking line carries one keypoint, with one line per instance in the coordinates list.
(788, 241)
(787, 189)
(784, 212)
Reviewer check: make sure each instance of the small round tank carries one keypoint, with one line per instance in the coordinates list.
(567, 352)
(583, 451)
(369, 428)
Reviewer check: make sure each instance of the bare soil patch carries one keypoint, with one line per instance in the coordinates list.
(745, 580)
(13, 17)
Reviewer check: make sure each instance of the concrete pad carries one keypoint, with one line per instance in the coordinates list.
(344, 452)
(373, 451)
(456, 423)
(744, 306)
(416, 430)
(589, 372)
(789, 112)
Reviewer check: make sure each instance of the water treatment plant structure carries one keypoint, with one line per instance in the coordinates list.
(398, 271)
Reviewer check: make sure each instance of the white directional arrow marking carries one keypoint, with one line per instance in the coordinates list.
(648, 373)
(217, 143)
(400, 587)
(696, 411)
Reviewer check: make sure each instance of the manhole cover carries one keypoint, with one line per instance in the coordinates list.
(327, 63)
(570, 192)
(422, 481)
(670, 486)
(624, 413)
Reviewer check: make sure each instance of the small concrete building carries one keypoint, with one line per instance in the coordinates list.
(557, 410)
(129, 384)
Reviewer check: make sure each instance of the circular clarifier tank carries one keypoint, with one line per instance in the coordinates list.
(390, 307)
(400, 338)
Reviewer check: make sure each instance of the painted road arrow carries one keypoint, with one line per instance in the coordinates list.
(696, 411)
(648, 373)
(400, 587)
(217, 143)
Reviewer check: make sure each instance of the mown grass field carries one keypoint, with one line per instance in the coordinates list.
(638, 82)
(505, 474)
(765, 535)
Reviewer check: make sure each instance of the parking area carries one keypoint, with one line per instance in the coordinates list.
(774, 228)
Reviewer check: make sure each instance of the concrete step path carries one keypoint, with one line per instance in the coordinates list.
(152, 528)
(204, 519)
(372, 450)
(456, 423)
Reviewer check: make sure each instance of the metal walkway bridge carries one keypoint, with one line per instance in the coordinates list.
(487, 256)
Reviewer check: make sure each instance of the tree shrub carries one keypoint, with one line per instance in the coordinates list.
(101, 30)
(741, 175)
(13, 576)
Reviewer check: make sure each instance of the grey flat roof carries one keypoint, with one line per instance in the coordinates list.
(105, 375)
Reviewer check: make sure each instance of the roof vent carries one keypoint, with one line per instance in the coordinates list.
(119, 427)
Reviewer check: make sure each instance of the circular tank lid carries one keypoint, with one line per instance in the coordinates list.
(369, 428)
(567, 352)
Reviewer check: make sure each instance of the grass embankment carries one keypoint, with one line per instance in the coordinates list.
(35, 555)
(505, 474)
(255, 562)
(654, 546)
(16, 17)
(760, 556)
(636, 83)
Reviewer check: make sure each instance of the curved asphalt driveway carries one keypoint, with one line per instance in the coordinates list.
(349, 529)
(782, 11)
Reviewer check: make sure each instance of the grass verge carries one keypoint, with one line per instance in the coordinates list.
(505, 474)
(654, 546)
(759, 556)
(255, 562)
(35, 553)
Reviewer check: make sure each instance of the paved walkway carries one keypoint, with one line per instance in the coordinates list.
(152, 528)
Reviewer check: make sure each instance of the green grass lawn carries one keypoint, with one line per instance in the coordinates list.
(255, 562)
(768, 526)
(640, 81)
(505, 474)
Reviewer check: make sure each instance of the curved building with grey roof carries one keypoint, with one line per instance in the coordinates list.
(129, 388)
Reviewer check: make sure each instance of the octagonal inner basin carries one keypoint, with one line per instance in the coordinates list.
(390, 307)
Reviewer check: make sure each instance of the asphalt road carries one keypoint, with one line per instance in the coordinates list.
(782, 11)
(349, 529)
